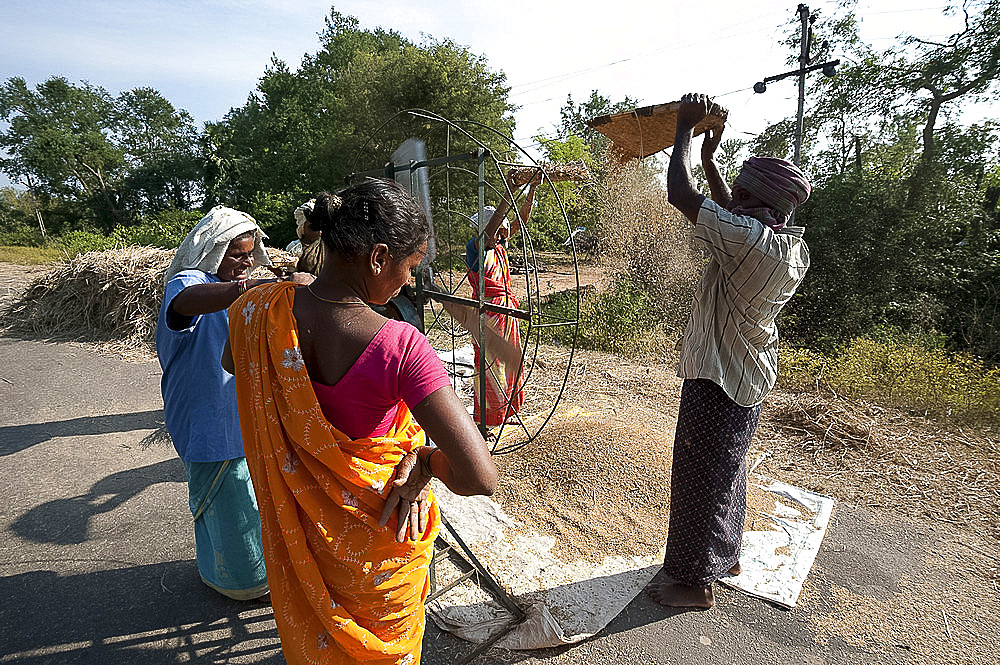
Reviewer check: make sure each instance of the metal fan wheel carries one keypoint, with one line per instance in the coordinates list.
(455, 168)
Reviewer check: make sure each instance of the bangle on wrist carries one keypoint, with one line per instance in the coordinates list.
(242, 286)
(425, 460)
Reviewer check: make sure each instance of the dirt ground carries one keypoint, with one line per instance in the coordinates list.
(13, 279)
(910, 572)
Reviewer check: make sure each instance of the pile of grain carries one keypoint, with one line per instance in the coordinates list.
(596, 482)
(596, 478)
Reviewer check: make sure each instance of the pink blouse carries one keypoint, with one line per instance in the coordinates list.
(399, 365)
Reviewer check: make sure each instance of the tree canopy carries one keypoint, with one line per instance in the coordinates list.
(903, 223)
(115, 157)
(303, 131)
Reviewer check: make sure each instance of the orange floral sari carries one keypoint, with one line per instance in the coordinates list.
(342, 588)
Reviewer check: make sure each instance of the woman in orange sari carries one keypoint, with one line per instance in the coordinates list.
(334, 400)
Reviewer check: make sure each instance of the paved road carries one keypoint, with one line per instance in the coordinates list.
(97, 559)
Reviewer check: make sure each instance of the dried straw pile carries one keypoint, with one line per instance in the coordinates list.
(107, 297)
(97, 296)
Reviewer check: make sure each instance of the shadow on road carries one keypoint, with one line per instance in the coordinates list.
(67, 521)
(157, 613)
(15, 438)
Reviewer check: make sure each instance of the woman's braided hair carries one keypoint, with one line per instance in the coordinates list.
(358, 217)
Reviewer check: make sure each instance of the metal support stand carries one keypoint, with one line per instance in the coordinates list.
(472, 569)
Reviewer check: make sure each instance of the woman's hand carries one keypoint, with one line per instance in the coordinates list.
(283, 275)
(408, 497)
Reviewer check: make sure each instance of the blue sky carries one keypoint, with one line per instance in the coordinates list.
(207, 56)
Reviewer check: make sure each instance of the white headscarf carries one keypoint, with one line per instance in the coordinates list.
(487, 215)
(300, 216)
(205, 246)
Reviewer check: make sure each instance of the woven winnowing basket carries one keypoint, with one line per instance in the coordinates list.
(576, 171)
(647, 130)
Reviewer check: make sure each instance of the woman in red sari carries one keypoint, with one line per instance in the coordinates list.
(503, 386)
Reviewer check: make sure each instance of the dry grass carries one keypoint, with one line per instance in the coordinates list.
(30, 256)
(883, 458)
(111, 298)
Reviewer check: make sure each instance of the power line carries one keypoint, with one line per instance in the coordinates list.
(716, 38)
(918, 9)
(562, 77)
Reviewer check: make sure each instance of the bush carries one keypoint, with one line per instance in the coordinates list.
(21, 236)
(619, 320)
(909, 371)
(273, 213)
(81, 242)
(165, 229)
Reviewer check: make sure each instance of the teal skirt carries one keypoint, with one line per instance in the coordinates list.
(227, 528)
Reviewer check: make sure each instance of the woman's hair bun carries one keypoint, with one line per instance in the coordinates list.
(370, 212)
(321, 215)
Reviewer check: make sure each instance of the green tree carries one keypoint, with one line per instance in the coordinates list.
(306, 130)
(901, 224)
(112, 159)
(160, 145)
(965, 66)
(548, 226)
(574, 118)
(58, 144)
(575, 141)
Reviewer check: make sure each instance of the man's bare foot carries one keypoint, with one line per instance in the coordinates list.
(670, 593)
(736, 569)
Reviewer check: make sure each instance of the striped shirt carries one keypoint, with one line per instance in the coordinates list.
(753, 271)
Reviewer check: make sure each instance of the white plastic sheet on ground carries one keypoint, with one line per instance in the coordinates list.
(566, 602)
(460, 364)
(776, 562)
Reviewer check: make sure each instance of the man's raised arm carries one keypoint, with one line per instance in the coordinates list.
(681, 190)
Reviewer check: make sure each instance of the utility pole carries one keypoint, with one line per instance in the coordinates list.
(806, 21)
(805, 66)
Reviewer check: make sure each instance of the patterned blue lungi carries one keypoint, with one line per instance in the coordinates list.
(708, 483)
(227, 528)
